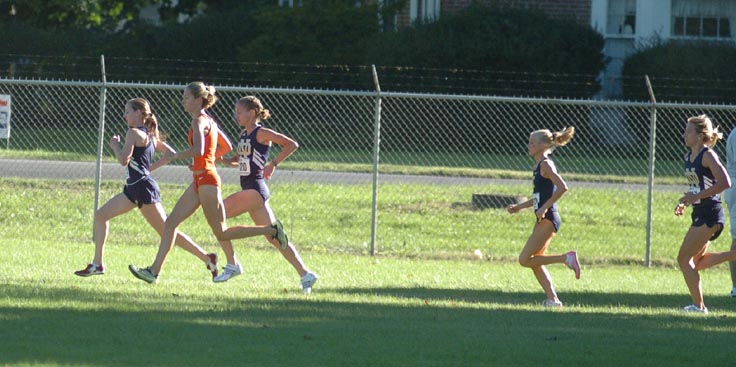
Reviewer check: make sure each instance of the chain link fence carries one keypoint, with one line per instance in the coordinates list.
(435, 153)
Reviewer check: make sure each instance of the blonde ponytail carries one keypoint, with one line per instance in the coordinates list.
(703, 124)
(556, 139)
(206, 92)
(561, 138)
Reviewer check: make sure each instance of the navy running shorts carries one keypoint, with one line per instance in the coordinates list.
(554, 217)
(258, 185)
(709, 215)
(143, 192)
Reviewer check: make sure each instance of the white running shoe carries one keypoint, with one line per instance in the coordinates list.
(696, 309)
(228, 272)
(571, 260)
(552, 303)
(144, 274)
(308, 281)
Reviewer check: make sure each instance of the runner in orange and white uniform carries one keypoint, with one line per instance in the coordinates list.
(205, 190)
(203, 167)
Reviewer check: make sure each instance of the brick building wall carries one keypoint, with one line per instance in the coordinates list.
(402, 18)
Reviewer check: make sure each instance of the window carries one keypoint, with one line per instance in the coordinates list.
(621, 17)
(290, 3)
(424, 10)
(703, 18)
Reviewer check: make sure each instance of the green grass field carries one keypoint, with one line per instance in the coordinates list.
(425, 221)
(423, 302)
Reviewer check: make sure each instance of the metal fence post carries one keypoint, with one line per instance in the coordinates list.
(650, 185)
(376, 146)
(100, 140)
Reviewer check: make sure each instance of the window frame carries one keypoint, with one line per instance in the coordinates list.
(622, 19)
(692, 27)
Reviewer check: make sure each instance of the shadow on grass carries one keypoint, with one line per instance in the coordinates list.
(571, 298)
(197, 329)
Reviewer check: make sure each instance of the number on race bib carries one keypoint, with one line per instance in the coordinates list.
(693, 182)
(694, 190)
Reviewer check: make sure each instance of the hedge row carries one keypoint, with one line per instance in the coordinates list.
(464, 50)
(684, 72)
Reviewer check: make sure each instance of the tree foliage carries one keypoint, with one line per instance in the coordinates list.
(105, 15)
(171, 9)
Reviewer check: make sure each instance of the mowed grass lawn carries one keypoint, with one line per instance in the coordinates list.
(434, 307)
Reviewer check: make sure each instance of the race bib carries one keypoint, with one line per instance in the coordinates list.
(694, 184)
(535, 201)
(244, 163)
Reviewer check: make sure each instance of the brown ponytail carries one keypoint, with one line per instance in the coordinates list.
(149, 119)
(253, 103)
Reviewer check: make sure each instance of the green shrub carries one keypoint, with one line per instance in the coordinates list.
(696, 72)
(489, 38)
(683, 72)
(320, 34)
(331, 31)
(67, 53)
(535, 56)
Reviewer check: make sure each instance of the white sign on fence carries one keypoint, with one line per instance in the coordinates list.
(4, 116)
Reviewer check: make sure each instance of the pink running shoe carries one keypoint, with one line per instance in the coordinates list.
(572, 263)
(91, 269)
(212, 265)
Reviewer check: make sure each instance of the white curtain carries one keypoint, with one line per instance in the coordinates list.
(617, 12)
(703, 8)
(430, 10)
